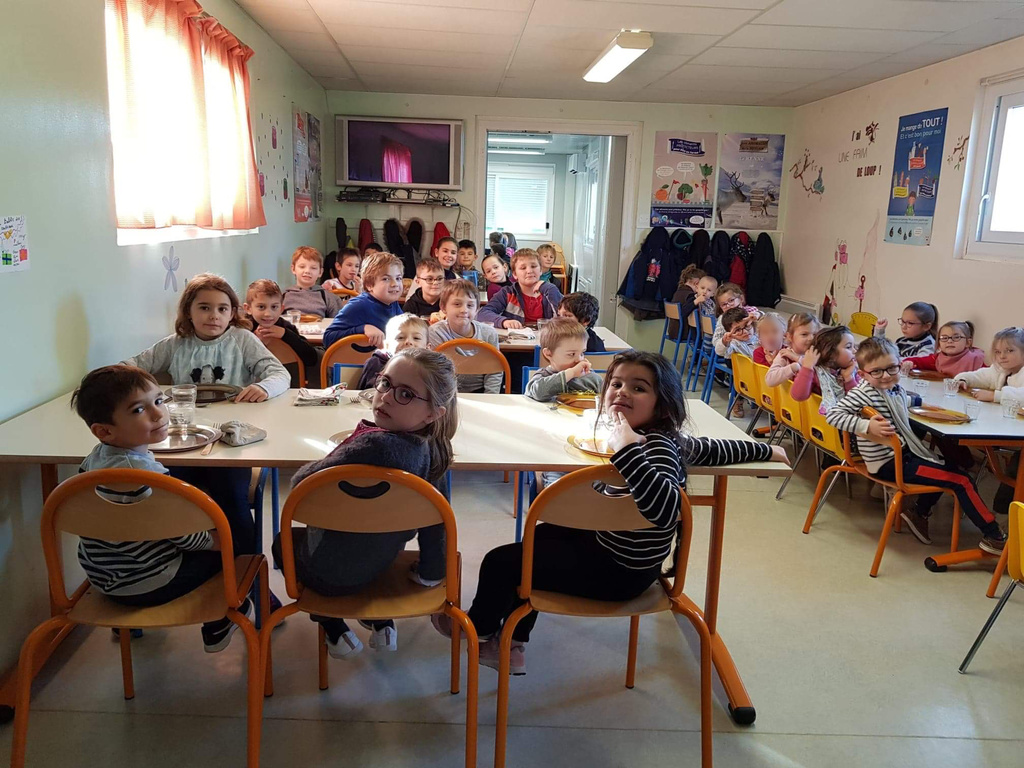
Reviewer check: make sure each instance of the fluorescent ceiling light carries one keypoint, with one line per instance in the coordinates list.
(626, 48)
(515, 151)
(518, 139)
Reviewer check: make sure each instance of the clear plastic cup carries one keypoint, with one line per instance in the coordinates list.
(1010, 408)
(182, 407)
(973, 409)
(950, 387)
(293, 316)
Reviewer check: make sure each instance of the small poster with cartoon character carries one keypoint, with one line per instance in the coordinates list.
(683, 187)
(13, 244)
(915, 178)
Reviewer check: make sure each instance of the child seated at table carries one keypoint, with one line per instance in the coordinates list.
(1004, 379)
(957, 353)
(414, 419)
(425, 298)
(344, 273)
(918, 322)
(563, 343)
(828, 368)
(799, 336)
(369, 312)
(686, 297)
(525, 301)
(740, 334)
(124, 409)
(548, 257)
(707, 287)
(447, 253)
(372, 248)
(458, 303)
(642, 393)
(466, 257)
(263, 311)
(879, 360)
(770, 332)
(731, 296)
(401, 332)
(306, 296)
(496, 272)
(583, 308)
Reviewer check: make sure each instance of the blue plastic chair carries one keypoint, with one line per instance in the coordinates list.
(673, 311)
(704, 352)
(691, 345)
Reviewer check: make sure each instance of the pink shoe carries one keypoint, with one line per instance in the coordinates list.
(489, 656)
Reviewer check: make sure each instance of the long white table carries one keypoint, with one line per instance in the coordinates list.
(496, 432)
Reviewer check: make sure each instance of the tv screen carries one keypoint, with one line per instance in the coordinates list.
(395, 152)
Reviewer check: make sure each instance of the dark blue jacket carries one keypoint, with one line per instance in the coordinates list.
(359, 312)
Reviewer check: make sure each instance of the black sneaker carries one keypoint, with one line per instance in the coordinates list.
(917, 524)
(993, 545)
(115, 634)
(217, 634)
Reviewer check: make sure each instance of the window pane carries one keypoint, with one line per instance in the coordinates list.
(1008, 198)
(518, 202)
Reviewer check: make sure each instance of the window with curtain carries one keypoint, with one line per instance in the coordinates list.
(179, 119)
(521, 199)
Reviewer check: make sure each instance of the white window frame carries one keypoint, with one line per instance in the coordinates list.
(975, 239)
(545, 171)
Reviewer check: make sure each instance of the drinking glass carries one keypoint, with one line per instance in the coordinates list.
(950, 387)
(182, 407)
(973, 409)
(921, 387)
(1010, 408)
(293, 316)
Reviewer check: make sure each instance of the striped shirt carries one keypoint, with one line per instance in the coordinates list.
(890, 403)
(908, 347)
(655, 472)
(131, 567)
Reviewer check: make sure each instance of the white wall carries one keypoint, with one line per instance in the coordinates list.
(988, 293)
(86, 301)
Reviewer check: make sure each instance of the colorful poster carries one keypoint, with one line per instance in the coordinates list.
(683, 178)
(306, 190)
(13, 244)
(750, 180)
(915, 178)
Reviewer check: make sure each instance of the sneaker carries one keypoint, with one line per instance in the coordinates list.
(737, 411)
(115, 634)
(992, 545)
(217, 634)
(489, 656)
(414, 575)
(344, 647)
(383, 638)
(917, 524)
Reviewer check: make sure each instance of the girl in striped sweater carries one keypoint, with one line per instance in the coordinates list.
(919, 322)
(880, 389)
(643, 396)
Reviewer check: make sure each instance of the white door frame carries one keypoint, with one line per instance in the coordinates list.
(633, 131)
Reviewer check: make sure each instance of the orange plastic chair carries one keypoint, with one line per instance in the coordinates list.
(345, 351)
(406, 502)
(286, 356)
(862, 323)
(174, 508)
(855, 465)
(1015, 566)
(344, 292)
(573, 502)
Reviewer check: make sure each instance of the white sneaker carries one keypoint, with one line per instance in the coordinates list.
(383, 639)
(348, 645)
(414, 576)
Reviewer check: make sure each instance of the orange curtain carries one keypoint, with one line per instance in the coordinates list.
(179, 119)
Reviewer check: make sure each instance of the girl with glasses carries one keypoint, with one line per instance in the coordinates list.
(918, 324)
(956, 352)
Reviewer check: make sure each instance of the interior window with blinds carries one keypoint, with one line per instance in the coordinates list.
(520, 199)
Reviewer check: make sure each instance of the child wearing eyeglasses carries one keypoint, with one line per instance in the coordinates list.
(957, 353)
(879, 388)
(918, 324)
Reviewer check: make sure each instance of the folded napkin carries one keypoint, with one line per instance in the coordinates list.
(240, 433)
(329, 396)
(521, 334)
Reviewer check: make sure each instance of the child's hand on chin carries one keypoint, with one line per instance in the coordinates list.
(622, 434)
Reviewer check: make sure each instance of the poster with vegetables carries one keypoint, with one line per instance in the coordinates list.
(683, 187)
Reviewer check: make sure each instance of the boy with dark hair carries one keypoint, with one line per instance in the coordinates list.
(263, 303)
(425, 300)
(124, 408)
(583, 308)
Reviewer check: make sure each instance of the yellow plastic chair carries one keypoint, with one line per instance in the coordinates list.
(792, 415)
(1015, 566)
(173, 508)
(769, 396)
(862, 323)
(362, 499)
(351, 352)
(573, 502)
(745, 382)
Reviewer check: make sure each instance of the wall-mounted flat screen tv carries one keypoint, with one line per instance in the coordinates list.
(397, 152)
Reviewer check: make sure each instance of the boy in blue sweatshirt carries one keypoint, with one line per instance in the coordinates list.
(370, 311)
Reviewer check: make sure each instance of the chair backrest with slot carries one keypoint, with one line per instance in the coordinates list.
(792, 413)
(472, 356)
(744, 378)
(351, 351)
(359, 498)
(1015, 542)
(172, 508)
(286, 356)
(819, 431)
(863, 323)
(768, 397)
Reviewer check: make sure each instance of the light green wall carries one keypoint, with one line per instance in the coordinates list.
(655, 117)
(86, 301)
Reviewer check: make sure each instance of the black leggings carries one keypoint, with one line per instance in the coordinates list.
(565, 560)
(229, 487)
(195, 570)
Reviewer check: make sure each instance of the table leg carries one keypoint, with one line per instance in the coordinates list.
(520, 490)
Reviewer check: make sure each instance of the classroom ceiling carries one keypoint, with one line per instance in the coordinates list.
(755, 52)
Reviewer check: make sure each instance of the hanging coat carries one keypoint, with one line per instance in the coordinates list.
(394, 240)
(414, 233)
(652, 276)
(719, 264)
(764, 284)
(700, 247)
(365, 234)
(440, 230)
(680, 241)
(741, 251)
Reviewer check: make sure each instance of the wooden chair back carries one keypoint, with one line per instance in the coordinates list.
(359, 498)
(351, 351)
(287, 356)
(673, 310)
(472, 356)
(707, 325)
(172, 508)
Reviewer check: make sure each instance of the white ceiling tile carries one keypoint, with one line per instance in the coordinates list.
(340, 84)
(682, 44)
(407, 57)
(304, 41)
(655, 63)
(273, 18)
(986, 33)
(929, 53)
(620, 15)
(697, 73)
(380, 70)
(404, 16)
(246, 4)
(323, 63)
(390, 39)
(412, 85)
(551, 58)
(574, 38)
(485, 5)
(879, 70)
(903, 15)
(715, 96)
(768, 57)
(757, 5)
(826, 39)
